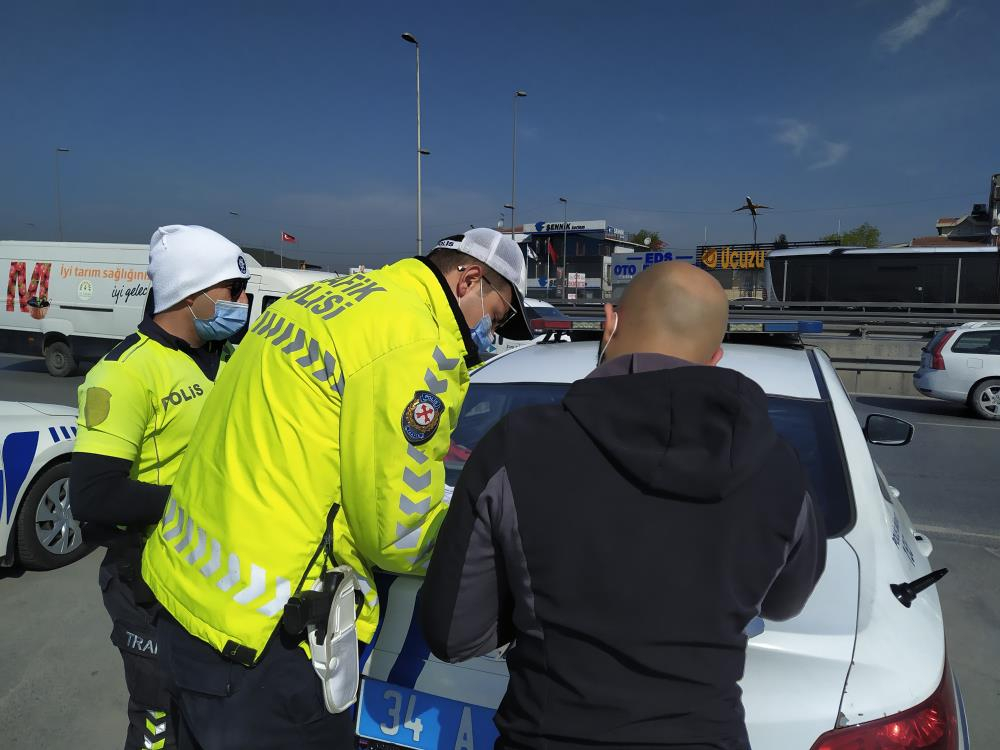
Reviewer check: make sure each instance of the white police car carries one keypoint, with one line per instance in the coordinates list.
(858, 668)
(37, 529)
(549, 323)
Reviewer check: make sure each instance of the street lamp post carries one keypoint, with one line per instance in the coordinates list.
(408, 37)
(59, 192)
(513, 168)
(565, 253)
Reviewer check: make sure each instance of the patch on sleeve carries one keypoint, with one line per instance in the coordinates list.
(421, 417)
(97, 407)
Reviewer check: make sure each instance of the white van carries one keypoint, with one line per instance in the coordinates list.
(71, 301)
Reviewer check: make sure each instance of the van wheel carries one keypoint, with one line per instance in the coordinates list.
(47, 534)
(985, 399)
(59, 359)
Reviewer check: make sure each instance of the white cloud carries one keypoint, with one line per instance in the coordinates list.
(805, 142)
(793, 133)
(833, 153)
(914, 24)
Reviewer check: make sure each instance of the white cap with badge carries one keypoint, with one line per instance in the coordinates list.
(504, 256)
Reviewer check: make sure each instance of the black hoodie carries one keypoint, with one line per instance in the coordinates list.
(628, 575)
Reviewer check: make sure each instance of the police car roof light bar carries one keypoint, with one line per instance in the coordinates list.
(775, 326)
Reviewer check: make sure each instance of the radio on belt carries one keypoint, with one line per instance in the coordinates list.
(310, 607)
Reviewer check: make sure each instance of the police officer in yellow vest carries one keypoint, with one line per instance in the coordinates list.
(322, 446)
(138, 409)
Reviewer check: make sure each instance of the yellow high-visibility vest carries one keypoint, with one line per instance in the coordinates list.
(141, 402)
(344, 392)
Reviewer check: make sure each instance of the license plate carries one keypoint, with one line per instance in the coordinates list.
(398, 715)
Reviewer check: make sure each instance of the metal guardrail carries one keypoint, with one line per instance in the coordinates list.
(859, 319)
(851, 320)
(867, 364)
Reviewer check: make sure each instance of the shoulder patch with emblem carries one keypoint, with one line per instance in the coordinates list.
(421, 417)
(97, 406)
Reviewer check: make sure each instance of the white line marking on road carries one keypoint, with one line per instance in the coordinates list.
(956, 532)
(965, 426)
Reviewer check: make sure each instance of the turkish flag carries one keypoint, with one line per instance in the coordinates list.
(552, 252)
(286, 237)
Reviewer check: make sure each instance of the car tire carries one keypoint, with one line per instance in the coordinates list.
(985, 399)
(59, 360)
(47, 534)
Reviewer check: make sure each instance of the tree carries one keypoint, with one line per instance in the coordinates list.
(864, 235)
(655, 243)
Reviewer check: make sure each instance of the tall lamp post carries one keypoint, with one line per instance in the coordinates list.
(408, 37)
(59, 192)
(565, 253)
(513, 168)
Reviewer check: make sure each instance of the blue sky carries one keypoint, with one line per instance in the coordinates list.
(300, 117)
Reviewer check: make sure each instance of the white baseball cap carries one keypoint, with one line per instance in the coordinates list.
(184, 260)
(504, 256)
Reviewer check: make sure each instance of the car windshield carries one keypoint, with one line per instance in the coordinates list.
(807, 424)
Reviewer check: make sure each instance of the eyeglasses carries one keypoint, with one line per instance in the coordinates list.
(511, 310)
(236, 288)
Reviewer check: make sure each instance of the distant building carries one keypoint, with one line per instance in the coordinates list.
(739, 268)
(973, 228)
(573, 272)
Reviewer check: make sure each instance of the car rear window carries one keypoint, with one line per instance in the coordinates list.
(551, 313)
(807, 424)
(978, 342)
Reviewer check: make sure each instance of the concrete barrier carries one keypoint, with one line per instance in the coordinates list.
(865, 365)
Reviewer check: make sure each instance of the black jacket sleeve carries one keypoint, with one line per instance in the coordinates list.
(803, 566)
(466, 601)
(105, 494)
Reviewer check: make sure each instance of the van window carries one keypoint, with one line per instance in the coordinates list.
(266, 301)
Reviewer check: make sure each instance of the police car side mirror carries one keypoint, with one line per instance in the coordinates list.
(881, 429)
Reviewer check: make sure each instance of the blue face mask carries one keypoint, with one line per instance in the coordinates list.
(229, 318)
(482, 334)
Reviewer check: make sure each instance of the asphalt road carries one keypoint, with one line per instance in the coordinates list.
(949, 483)
(62, 681)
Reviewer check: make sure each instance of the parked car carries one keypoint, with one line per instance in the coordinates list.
(549, 323)
(857, 668)
(962, 364)
(37, 528)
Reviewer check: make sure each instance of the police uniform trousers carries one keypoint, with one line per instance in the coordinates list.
(223, 705)
(132, 610)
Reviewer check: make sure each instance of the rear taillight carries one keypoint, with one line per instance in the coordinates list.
(551, 325)
(937, 361)
(933, 725)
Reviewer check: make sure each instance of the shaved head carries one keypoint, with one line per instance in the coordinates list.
(671, 308)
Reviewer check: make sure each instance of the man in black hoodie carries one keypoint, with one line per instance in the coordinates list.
(626, 584)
